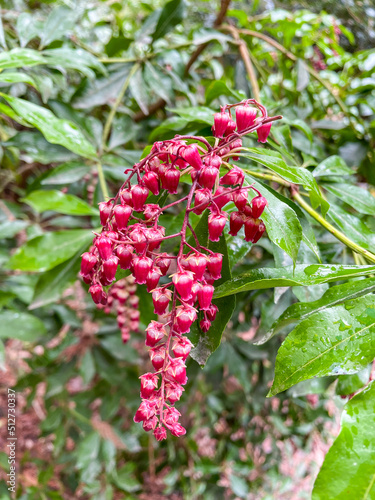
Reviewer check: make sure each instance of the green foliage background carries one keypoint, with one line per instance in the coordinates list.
(85, 88)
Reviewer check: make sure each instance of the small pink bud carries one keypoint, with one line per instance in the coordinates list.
(110, 268)
(141, 268)
(231, 127)
(208, 176)
(149, 382)
(233, 177)
(151, 211)
(263, 132)
(105, 208)
(157, 356)
(258, 204)
(214, 265)
(211, 312)
(155, 332)
(153, 278)
(192, 156)
(245, 117)
(97, 294)
(182, 347)
(177, 430)
(145, 411)
(126, 197)
(254, 229)
(205, 325)
(205, 294)
(139, 196)
(161, 298)
(185, 317)
(122, 215)
(221, 121)
(138, 237)
(88, 263)
(160, 433)
(173, 392)
(202, 200)
(163, 263)
(125, 335)
(104, 246)
(197, 264)
(150, 424)
(183, 281)
(171, 179)
(125, 256)
(171, 415)
(240, 198)
(216, 224)
(177, 371)
(236, 221)
(151, 181)
(222, 196)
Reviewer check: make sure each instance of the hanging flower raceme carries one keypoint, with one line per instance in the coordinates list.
(132, 236)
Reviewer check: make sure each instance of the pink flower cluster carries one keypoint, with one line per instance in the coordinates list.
(133, 233)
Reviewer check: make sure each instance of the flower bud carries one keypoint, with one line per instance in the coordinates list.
(236, 221)
(197, 264)
(192, 156)
(258, 204)
(154, 333)
(205, 325)
(151, 181)
(153, 279)
(122, 215)
(263, 132)
(213, 161)
(185, 317)
(202, 200)
(163, 263)
(183, 281)
(240, 198)
(233, 177)
(151, 211)
(211, 312)
(216, 224)
(254, 229)
(126, 197)
(97, 294)
(177, 430)
(171, 415)
(110, 268)
(171, 179)
(104, 246)
(138, 237)
(139, 196)
(105, 208)
(125, 256)
(149, 382)
(145, 411)
(221, 121)
(245, 117)
(208, 176)
(150, 424)
(222, 196)
(214, 265)
(157, 356)
(231, 127)
(173, 392)
(205, 294)
(160, 433)
(125, 335)
(161, 298)
(177, 371)
(88, 263)
(182, 347)
(141, 268)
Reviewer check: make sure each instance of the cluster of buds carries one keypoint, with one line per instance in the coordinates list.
(133, 233)
(123, 302)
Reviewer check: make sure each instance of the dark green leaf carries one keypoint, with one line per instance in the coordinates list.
(10, 228)
(348, 468)
(218, 88)
(335, 341)
(21, 326)
(170, 16)
(49, 250)
(303, 275)
(348, 384)
(358, 198)
(66, 174)
(59, 202)
(332, 166)
(27, 27)
(56, 131)
(77, 59)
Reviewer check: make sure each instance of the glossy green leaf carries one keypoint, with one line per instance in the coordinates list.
(58, 24)
(21, 326)
(333, 296)
(66, 173)
(206, 343)
(77, 59)
(303, 275)
(18, 58)
(170, 16)
(49, 250)
(348, 471)
(218, 88)
(295, 175)
(348, 384)
(56, 131)
(336, 341)
(18, 77)
(333, 166)
(59, 202)
(358, 198)
(282, 224)
(53, 283)
(27, 27)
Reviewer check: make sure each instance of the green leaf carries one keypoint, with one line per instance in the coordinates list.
(358, 198)
(206, 343)
(335, 341)
(303, 275)
(17, 58)
(218, 88)
(19, 77)
(295, 175)
(56, 131)
(348, 384)
(333, 296)
(49, 250)
(53, 283)
(27, 27)
(282, 224)
(21, 326)
(348, 471)
(59, 22)
(332, 166)
(67, 173)
(10, 228)
(195, 114)
(170, 16)
(77, 59)
(59, 202)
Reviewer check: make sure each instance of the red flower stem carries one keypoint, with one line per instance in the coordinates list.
(173, 203)
(218, 196)
(195, 138)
